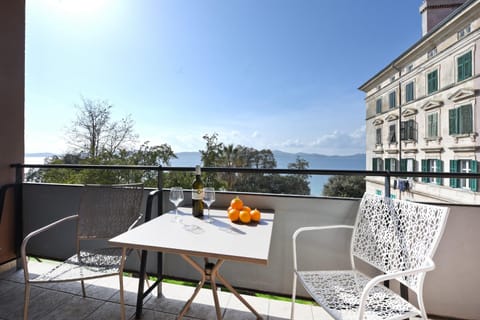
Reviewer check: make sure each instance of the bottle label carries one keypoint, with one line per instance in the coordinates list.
(197, 194)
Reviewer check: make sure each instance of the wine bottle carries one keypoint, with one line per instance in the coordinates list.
(197, 194)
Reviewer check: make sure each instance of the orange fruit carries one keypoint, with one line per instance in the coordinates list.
(236, 203)
(245, 216)
(255, 215)
(247, 208)
(233, 214)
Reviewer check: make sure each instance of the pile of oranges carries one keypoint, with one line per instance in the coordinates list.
(239, 212)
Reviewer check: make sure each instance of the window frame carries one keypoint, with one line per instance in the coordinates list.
(410, 91)
(457, 125)
(429, 127)
(432, 165)
(464, 66)
(408, 130)
(378, 136)
(392, 133)
(432, 82)
(378, 105)
(392, 99)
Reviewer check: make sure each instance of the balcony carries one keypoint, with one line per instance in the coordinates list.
(450, 291)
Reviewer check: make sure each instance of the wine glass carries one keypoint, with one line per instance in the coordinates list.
(176, 197)
(208, 199)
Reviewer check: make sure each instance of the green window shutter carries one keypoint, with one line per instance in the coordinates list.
(403, 165)
(432, 82)
(466, 125)
(464, 66)
(374, 164)
(468, 65)
(452, 121)
(379, 105)
(387, 164)
(409, 96)
(453, 168)
(432, 125)
(424, 169)
(474, 169)
(435, 125)
(439, 169)
(392, 100)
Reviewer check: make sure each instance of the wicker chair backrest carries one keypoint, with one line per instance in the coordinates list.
(106, 211)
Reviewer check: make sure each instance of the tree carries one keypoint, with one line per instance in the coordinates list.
(98, 140)
(94, 132)
(344, 186)
(217, 154)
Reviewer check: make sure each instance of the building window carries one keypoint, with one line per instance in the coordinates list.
(408, 165)
(460, 120)
(392, 136)
(432, 125)
(378, 137)
(464, 166)
(391, 164)
(409, 92)
(379, 105)
(432, 81)
(462, 33)
(408, 130)
(432, 165)
(392, 99)
(432, 53)
(464, 66)
(377, 164)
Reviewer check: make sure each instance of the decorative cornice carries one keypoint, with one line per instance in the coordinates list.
(377, 122)
(432, 150)
(462, 94)
(409, 112)
(408, 151)
(432, 104)
(471, 148)
(391, 117)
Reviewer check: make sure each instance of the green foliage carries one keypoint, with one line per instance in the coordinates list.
(217, 154)
(98, 140)
(344, 186)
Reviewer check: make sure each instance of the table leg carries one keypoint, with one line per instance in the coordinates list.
(210, 273)
(141, 279)
(197, 289)
(232, 290)
(120, 276)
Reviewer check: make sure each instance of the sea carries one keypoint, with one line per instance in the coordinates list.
(315, 161)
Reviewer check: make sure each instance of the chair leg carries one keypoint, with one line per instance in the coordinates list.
(294, 293)
(83, 289)
(26, 301)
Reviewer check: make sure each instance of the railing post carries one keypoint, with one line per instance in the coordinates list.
(160, 187)
(387, 185)
(18, 203)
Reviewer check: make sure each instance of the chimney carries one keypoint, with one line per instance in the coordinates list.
(434, 11)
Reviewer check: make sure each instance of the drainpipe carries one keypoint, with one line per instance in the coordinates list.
(399, 119)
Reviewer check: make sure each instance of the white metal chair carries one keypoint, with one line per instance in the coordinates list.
(399, 239)
(104, 212)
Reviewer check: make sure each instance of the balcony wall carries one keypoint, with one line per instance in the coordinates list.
(451, 290)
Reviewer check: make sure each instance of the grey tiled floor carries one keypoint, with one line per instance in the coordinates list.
(64, 301)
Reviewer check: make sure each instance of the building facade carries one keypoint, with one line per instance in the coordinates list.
(423, 110)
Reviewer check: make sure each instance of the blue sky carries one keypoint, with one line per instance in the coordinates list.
(276, 74)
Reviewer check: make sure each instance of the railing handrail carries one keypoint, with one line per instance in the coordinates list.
(344, 172)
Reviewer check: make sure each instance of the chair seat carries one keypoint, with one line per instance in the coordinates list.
(338, 292)
(92, 264)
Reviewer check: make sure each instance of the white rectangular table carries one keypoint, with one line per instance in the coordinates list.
(192, 237)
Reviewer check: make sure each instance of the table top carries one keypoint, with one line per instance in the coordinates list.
(221, 239)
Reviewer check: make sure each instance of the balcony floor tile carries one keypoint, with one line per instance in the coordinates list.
(65, 301)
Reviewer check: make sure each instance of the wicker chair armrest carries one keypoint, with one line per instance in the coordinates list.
(23, 249)
(134, 224)
(429, 266)
(313, 228)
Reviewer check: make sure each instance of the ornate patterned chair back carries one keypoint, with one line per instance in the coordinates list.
(395, 235)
